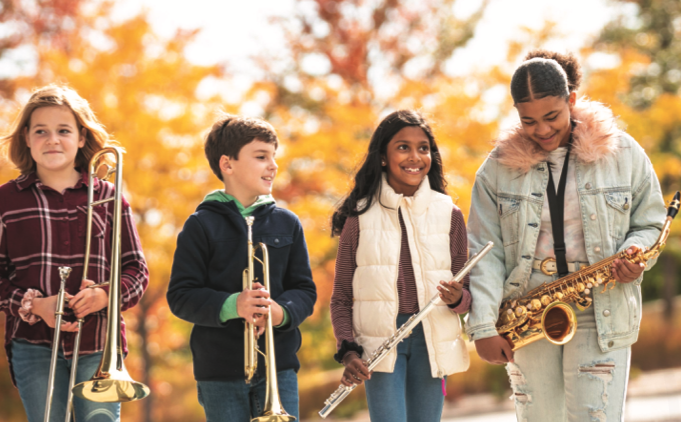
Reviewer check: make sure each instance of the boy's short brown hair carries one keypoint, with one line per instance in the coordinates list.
(230, 133)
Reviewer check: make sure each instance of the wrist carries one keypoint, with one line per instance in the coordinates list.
(349, 356)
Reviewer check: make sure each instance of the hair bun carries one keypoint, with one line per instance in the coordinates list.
(567, 61)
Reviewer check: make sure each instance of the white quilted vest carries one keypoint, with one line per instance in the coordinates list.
(427, 218)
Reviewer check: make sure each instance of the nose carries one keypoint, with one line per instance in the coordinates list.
(273, 165)
(543, 128)
(414, 155)
(52, 138)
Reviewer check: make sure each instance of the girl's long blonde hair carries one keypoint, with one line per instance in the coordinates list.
(14, 144)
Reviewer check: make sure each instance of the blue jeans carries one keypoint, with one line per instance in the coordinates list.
(575, 382)
(31, 366)
(236, 401)
(409, 393)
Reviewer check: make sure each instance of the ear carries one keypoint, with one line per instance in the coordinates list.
(226, 165)
(83, 137)
(384, 160)
(572, 99)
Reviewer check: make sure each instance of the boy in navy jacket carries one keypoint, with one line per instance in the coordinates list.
(206, 280)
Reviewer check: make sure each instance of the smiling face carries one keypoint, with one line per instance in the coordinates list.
(546, 121)
(407, 160)
(54, 139)
(252, 174)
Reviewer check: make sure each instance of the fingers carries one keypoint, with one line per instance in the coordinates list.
(85, 283)
(70, 326)
(450, 293)
(507, 352)
(625, 271)
(356, 372)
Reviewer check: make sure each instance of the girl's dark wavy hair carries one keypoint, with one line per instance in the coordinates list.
(545, 73)
(368, 177)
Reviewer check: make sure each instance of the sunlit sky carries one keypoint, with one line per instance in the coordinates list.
(233, 30)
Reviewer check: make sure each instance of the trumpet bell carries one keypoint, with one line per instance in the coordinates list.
(116, 387)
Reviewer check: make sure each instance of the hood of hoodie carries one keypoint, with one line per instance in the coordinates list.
(594, 137)
(229, 208)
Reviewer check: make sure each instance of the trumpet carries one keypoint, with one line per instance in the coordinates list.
(273, 410)
(384, 349)
(544, 312)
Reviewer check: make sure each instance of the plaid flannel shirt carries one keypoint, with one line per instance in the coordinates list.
(41, 230)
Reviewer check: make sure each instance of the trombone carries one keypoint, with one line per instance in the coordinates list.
(273, 411)
(111, 382)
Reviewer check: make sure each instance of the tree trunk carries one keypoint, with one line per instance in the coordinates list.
(669, 288)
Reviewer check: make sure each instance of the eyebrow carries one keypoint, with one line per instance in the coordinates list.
(59, 125)
(546, 115)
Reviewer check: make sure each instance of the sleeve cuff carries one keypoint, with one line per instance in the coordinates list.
(482, 331)
(286, 319)
(346, 347)
(228, 310)
(464, 304)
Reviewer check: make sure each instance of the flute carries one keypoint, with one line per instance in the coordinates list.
(377, 356)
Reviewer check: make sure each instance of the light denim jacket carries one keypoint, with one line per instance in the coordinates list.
(616, 184)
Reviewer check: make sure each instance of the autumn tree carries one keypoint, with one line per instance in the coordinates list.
(650, 100)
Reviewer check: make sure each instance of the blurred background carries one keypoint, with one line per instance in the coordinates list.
(324, 73)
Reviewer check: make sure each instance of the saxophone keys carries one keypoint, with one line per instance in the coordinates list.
(587, 291)
(571, 290)
(588, 286)
(520, 311)
(580, 287)
(545, 300)
(535, 303)
(558, 295)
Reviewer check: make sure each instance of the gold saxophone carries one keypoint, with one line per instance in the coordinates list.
(544, 312)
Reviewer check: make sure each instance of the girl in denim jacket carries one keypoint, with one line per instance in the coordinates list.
(612, 202)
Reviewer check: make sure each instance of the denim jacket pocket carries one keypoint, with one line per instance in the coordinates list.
(509, 219)
(619, 204)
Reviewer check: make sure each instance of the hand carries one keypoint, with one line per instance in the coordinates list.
(45, 308)
(277, 313)
(356, 370)
(253, 306)
(625, 271)
(88, 301)
(495, 350)
(450, 292)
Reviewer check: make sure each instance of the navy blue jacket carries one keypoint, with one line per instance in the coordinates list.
(209, 261)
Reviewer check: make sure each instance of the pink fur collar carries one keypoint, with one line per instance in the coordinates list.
(593, 138)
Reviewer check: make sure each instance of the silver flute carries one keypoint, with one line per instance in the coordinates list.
(343, 391)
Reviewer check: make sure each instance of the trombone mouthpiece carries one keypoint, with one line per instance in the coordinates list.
(674, 205)
(64, 272)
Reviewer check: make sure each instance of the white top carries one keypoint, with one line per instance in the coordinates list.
(572, 218)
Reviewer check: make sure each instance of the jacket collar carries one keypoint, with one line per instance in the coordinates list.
(417, 203)
(595, 136)
(29, 179)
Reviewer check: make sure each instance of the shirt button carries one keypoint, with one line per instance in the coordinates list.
(588, 186)
(276, 240)
(611, 343)
(597, 249)
(606, 313)
(592, 216)
(626, 206)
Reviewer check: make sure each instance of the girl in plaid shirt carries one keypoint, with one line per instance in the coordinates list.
(42, 227)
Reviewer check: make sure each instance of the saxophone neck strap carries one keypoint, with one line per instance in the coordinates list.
(557, 208)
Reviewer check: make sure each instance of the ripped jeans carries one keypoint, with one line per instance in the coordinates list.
(575, 382)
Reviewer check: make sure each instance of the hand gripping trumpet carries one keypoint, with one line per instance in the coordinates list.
(544, 312)
(384, 349)
(273, 410)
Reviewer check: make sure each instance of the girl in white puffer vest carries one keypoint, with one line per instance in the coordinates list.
(401, 237)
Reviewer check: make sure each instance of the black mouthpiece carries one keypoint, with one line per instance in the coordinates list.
(674, 205)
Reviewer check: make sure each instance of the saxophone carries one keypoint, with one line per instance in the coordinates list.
(544, 312)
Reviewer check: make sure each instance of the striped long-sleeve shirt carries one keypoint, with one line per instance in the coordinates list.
(42, 229)
(346, 264)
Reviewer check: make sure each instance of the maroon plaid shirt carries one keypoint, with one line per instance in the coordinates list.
(42, 230)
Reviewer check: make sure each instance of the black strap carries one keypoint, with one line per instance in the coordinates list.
(557, 208)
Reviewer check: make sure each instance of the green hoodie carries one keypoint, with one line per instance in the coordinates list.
(229, 310)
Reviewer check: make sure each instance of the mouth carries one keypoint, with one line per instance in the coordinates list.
(545, 139)
(412, 170)
(53, 152)
(268, 178)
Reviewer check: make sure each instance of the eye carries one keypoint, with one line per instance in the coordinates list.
(39, 132)
(65, 131)
(425, 148)
(402, 147)
(551, 119)
(529, 123)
